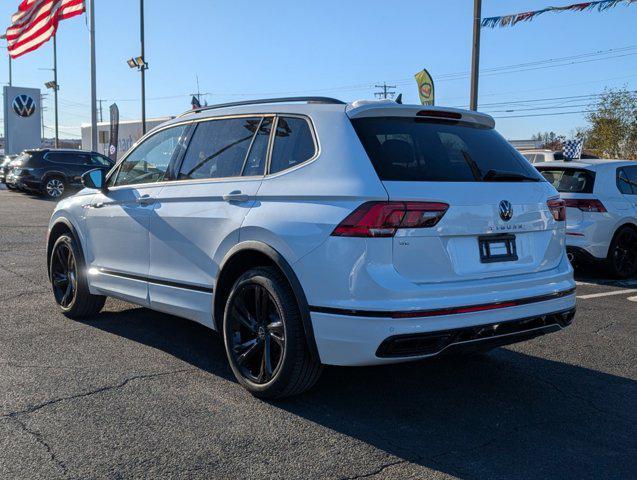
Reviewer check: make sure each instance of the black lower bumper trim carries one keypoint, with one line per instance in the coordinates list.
(476, 337)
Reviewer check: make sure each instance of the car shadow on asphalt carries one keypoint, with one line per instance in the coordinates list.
(502, 415)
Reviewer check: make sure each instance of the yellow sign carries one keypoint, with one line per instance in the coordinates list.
(425, 87)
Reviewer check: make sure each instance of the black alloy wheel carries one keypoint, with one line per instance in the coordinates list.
(623, 253)
(264, 336)
(64, 274)
(257, 334)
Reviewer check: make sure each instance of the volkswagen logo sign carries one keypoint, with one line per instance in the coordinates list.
(24, 105)
(506, 210)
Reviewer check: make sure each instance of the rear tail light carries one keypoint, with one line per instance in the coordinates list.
(586, 204)
(557, 206)
(382, 219)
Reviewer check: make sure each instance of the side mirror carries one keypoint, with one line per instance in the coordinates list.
(95, 179)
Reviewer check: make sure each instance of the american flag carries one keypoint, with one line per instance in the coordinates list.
(36, 21)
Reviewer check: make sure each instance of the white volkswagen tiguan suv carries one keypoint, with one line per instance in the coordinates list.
(310, 231)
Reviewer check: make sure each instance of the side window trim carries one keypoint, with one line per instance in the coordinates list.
(310, 125)
(179, 155)
(254, 138)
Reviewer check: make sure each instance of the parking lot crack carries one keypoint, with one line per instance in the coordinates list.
(107, 388)
(377, 471)
(40, 440)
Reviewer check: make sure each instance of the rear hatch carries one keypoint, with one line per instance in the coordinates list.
(497, 221)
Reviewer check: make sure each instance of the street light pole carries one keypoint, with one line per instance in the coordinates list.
(55, 90)
(475, 58)
(143, 67)
(93, 77)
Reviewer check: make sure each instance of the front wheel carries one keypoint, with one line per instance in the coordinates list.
(622, 254)
(68, 279)
(264, 338)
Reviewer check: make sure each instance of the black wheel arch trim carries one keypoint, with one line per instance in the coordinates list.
(49, 245)
(291, 277)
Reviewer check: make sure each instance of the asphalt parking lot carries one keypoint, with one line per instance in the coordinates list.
(133, 393)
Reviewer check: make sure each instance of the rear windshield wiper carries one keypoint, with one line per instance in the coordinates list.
(503, 176)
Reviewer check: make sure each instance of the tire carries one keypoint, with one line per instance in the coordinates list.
(68, 281)
(621, 261)
(275, 333)
(10, 187)
(54, 188)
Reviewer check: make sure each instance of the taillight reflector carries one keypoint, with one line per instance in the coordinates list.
(382, 219)
(557, 207)
(585, 204)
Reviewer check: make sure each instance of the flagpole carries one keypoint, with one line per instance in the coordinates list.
(143, 67)
(93, 77)
(10, 72)
(475, 57)
(55, 90)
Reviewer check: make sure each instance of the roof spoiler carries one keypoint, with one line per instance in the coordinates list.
(365, 108)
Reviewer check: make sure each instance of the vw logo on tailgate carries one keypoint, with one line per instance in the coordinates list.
(506, 210)
(24, 105)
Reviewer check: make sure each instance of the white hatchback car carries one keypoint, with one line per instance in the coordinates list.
(601, 206)
(310, 231)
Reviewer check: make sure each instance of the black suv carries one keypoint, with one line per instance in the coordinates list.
(50, 172)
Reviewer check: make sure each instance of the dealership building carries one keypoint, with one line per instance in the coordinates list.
(129, 132)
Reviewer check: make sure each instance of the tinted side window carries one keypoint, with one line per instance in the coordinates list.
(255, 163)
(149, 161)
(627, 180)
(100, 161)
(293, 144)
(66, 158)
(218, 148)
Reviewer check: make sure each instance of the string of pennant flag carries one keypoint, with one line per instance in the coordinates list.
(513, 19)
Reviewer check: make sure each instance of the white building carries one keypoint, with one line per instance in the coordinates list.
(129, 132)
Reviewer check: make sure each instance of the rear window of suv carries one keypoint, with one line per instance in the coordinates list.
(571, 180)
(409, 149)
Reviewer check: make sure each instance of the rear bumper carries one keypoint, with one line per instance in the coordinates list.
(345, 339)
(592, 236)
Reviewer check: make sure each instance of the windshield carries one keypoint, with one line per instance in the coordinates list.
(569, 179)
(415, 149)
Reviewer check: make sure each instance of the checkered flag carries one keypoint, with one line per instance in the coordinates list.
(572, 149)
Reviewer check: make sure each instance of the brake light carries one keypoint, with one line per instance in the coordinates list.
(557, 206)
(382, 219)
(586, 204)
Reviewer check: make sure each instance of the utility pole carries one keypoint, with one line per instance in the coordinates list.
(385, 93)
(101, 112)
(56, 87)
(93, 76)
(144, 65)
(475, 58)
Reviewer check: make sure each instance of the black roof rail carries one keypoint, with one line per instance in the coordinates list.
(325, 100)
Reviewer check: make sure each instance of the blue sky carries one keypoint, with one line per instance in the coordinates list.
(248, 49)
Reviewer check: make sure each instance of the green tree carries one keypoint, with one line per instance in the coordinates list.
(613, 130)
(549, 140)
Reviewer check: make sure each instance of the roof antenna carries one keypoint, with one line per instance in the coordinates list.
(399, 99)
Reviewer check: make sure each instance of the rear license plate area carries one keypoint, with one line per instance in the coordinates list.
(497, 248)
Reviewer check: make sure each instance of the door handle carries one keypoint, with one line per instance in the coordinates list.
(145, 200)
(236, 196)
